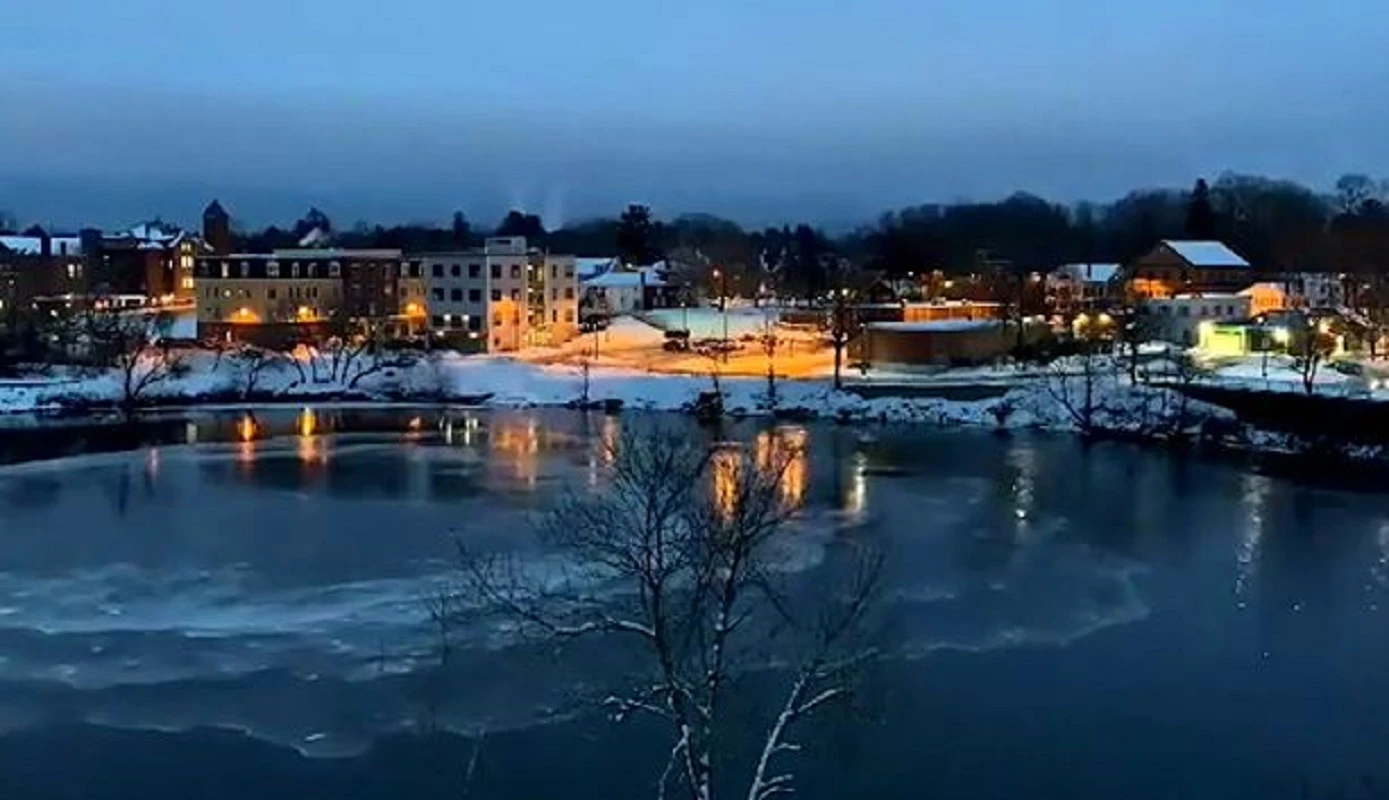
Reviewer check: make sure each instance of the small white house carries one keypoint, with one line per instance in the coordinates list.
(1178, 319)
(622, 291)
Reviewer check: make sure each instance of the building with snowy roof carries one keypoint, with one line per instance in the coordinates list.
(1185, 266)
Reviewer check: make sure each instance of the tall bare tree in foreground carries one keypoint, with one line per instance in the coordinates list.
(136, 346)
(687, 538)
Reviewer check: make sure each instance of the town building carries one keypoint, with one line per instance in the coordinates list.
(152, 259)
(268, 297)
(1179, 319)
(625, 291)
(1265, 297)
(1176, 267)
(1078, 287)
(503, 296)
(38, 265)
(1310, 290)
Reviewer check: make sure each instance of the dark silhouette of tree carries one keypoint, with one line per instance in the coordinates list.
(517, 223)
(461, 230)
(1200, 214)
(638, 236)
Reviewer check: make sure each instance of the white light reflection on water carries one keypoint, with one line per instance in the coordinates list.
(1254, 499)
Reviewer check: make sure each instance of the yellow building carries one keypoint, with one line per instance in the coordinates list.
(238, 292)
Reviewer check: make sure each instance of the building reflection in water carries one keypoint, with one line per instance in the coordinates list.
(312, 449)
(778, 454)
(604, 450)
(515, 445)
(856, 498)
(1255, 499)
(246, 441)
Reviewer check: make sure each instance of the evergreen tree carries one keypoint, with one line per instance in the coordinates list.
(1200, 214)
(638, 237)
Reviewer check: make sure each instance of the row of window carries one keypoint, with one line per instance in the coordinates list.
(271, 293)
(1206, 311)
(475, 271)
(474, 322)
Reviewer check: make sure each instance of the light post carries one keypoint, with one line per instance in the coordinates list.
(723, 308)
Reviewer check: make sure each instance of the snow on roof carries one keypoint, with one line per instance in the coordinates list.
(154, 231)
(1092, 273)
(33, 245)
(624, 280)
(938, 326)
(1206, 253)
(316, 237)
(589, 267)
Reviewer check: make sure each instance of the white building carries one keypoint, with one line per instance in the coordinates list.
(1178, 319)
(1314, 289)
(622, 291)
(503, 296)
(1082, 285)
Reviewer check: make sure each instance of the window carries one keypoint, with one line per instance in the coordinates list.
(455, 270)
(515, 271)
(245, 269)
(554, 294)
(226, 292)
(569, 315)
(554, 316)
(456, 295)
(272, 270)
(474, 323)
(1184, 311)
(554, 270)
(1166, 310)
(386, 290)
(496, 271)
(438, 270)
(313, 292)
(438, 293)
(1206, 312)
(225, 271)
(270, 293)
(496, 295)
(569, 293)
(474, 270)
(568, 270)
(334, 269)
(474, 295)
(294, 270)
(436, 320)
(312, 270)
(515, 294)
(497, 320)
(496, 342)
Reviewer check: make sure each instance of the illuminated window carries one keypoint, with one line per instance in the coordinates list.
(496, 295)
(272, 270)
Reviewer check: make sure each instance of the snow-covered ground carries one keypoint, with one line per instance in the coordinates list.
(708, 323)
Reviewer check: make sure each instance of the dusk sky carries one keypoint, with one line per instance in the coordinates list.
(763, 110)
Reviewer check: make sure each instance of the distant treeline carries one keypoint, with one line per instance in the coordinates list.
(1278, 225)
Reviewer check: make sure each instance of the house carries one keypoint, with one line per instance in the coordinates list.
(271, 298)
(1179, 319)
(588, 267)
(628, 290)
(1076, 287)
(502, 296)
(1265, 297)
(1185, 266)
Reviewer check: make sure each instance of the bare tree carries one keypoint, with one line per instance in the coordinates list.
(1075, 385)
(842, 327)
(770, 344)
(136, 346)
(1314, 345)
(252, 365)
(687, 538)
(350, 352)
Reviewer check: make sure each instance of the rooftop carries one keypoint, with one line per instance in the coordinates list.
(938, 326)
(1206, 253)
(1093, 273)
(33, 245)
(625, 280)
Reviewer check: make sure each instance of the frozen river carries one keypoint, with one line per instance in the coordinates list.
(1064, 621)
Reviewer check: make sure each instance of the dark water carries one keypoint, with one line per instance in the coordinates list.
(1061, 621)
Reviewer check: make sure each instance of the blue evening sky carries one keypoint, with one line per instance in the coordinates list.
(760, 109)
